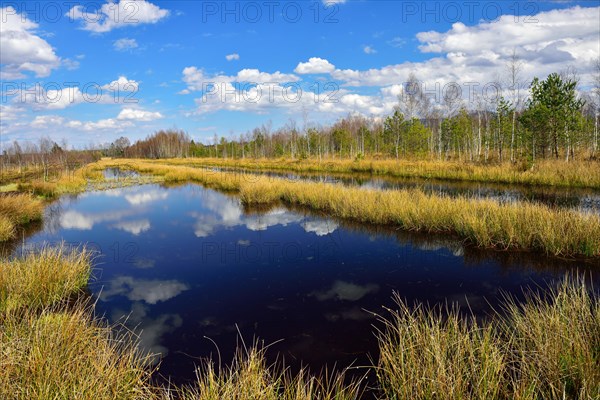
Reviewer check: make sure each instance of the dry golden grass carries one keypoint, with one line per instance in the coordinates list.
(249, 378)
(7, 228)
(65, 354)
(43, 278)
(66, 182)
(543, 172)
(52, 350)
(555, 343)
(19, 209)
(547, 348)
(437, 354)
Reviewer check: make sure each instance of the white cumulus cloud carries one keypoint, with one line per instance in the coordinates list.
(22, 49)
(124, 44)
(315, 65)
(132, 114)
(112, 15)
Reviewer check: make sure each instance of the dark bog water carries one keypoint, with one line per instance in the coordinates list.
(186, 264)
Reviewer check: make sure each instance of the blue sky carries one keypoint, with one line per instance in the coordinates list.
(89, 72)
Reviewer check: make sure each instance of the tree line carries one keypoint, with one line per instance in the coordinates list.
(554, 120)
(546, 118)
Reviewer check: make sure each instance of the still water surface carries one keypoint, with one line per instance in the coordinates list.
(184, 264)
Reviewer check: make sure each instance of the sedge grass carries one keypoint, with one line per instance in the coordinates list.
(545, 348)
(41, 279)
(249, 378)
(543, 172)
(437, 354)
(483, 222)
(555, 343)
(66, 354)
(15, 210)
(7, 228)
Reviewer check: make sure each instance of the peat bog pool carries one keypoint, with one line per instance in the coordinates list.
(193, 270)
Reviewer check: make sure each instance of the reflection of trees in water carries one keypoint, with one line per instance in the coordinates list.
(10, 247)
(540, 262)
(52, 216)
(51, 223)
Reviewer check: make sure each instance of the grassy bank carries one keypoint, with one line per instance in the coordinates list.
(546, 348)
(65, 182)
(544, 172)
(42, 279)
(485, 223)
(50, 349)
(21, 202)
(15, 210)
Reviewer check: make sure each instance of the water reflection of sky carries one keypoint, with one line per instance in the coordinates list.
(183, 264)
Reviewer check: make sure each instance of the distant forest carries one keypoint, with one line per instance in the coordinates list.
(548, 118)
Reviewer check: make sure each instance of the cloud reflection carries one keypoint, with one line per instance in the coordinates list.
(346, 291)
(147, 196)
(134, 227)
(320, 227)
(149, 291)
(150, 330)
(227, 213)
(85, 221)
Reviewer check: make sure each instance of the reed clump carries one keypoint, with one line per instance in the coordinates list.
(50, 349)
(15, 210)
(41, 279)
(249, 377)
(554, 339)
(63, 353)
(544, 348)
(439, 354)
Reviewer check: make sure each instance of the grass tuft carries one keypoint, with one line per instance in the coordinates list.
(41, 279)
(438, 354)
(17, 209)
(555, 343)
(545, 348)
(66, 354)
(250, 378)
